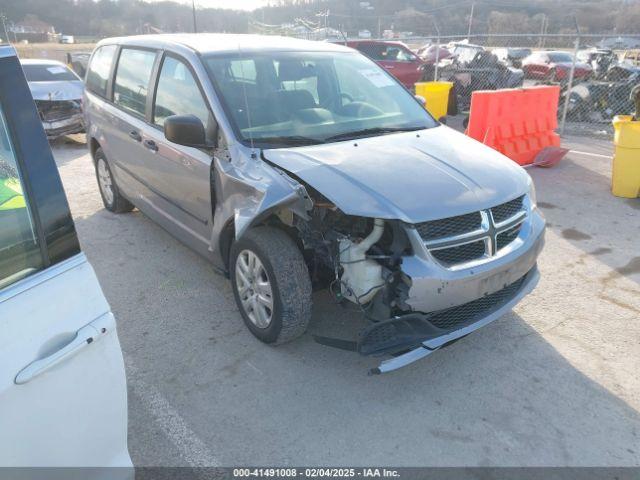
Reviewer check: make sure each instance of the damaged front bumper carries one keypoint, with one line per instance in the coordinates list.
(67, 126)
(60, 117)
(448, 303)
(437, 339)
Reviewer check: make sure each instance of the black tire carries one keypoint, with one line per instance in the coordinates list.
(113, 202)
(288, 277)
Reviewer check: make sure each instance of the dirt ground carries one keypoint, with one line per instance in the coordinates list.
(553, 383)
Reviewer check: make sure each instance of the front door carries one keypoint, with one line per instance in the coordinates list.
(182, 175)
(63, 397)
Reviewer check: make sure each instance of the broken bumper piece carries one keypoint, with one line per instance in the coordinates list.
(414, 336)
(66, 126)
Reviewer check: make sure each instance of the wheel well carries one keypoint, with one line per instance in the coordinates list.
(93, 146)
(226, 239)
(228, 233)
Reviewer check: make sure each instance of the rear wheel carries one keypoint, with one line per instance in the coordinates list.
(271, 285)
(111, 197)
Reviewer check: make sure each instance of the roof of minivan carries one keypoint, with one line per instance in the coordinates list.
(226, 43)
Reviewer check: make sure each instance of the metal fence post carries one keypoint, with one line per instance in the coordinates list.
(437, 60)
(565, 108)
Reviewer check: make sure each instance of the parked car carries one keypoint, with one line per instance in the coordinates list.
(430, 53)
(512, 57)
(57, 92)
(600, 60)
(601, 100)
(554, 66)
(63, 396)
(294, 165)
(77, 61)
(394, 57)
(464, 52)
(481, 72)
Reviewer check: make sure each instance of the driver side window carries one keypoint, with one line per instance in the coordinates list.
(178, 93)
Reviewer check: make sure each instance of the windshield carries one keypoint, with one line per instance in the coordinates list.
(48, 73)
(560, 57)
(288, 98)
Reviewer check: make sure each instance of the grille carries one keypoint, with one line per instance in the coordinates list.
(460, 253)
(460, 316)
(449, 227)
(505, 238)
(507, 210)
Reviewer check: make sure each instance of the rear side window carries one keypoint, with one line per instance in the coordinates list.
(373, 50)
(178, 93)
(98, 73)
(19, 250)
(132, 79)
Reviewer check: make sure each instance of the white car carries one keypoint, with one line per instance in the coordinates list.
(63, 397)
(57, 92)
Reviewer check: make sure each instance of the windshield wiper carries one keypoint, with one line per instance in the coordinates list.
(370, 131)
(292, 140)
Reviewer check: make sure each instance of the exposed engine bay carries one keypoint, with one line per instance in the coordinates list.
(358, 259)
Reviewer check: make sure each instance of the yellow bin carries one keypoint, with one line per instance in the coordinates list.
(437, 96)
(625, 177)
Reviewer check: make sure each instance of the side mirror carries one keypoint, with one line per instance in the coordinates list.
(421, 100)
(186, 130)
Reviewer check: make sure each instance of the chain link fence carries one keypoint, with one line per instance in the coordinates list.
(596, 74)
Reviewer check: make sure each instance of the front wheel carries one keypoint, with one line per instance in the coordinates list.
(271, 285)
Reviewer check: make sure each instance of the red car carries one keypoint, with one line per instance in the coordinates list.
(553, 66)
(395, 57)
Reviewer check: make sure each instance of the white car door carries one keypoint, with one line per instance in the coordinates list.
(63, 398)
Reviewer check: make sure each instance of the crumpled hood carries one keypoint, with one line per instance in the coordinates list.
(411, 176)
(67, 90)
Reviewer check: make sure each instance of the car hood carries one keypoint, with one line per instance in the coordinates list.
(68, 90)
(411, 176)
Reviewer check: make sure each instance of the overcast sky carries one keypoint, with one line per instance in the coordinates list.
(235, 4)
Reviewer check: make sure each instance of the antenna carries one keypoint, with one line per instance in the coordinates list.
(246, 102)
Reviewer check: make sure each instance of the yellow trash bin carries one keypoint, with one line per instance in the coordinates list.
(625, 177)
(437, 96)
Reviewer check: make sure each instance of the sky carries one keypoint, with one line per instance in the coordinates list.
(235, 4)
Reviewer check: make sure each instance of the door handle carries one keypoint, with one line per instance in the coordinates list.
(135, 135)
(389, 67)
(83, 338)
(151, 145)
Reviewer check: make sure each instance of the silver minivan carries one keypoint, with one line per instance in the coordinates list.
(296, 165)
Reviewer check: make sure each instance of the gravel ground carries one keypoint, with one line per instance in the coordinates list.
(553, 383)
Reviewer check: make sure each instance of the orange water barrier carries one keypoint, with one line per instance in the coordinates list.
(520, 123)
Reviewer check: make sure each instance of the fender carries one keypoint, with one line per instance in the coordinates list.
(248, 190)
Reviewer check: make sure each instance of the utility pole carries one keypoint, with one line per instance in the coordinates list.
(193, 9)
(543, 30)
(4, 26)
(473, 5)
